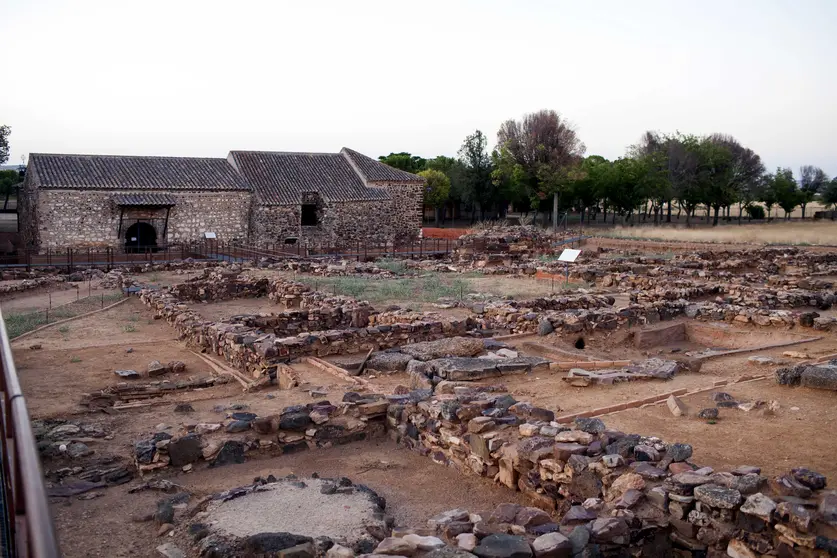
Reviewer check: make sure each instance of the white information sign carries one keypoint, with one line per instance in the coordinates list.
(569, 255)
(209, 235)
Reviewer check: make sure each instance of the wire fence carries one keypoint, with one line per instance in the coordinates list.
(72, 259)
(40, 310)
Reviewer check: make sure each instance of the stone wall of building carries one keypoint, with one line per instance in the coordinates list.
(272, 224)
(344, 223)
(82, 218)
(406, 209)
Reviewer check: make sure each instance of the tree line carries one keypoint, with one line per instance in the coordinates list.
(539, 165)
(9, 179)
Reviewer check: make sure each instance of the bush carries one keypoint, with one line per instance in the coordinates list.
(756, 212)
(395, 266)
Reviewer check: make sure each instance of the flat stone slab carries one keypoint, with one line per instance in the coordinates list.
(823, 376)
(464, 368)
(343, 515)
(469, 368)
(449, 347)
(389, 362)
(717, 496)
(503, 546)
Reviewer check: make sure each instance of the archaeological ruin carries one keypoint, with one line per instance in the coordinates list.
(481, 403)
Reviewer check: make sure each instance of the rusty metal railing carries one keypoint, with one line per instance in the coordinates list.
(26, 520)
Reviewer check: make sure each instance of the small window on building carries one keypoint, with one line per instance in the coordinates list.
(309, 215)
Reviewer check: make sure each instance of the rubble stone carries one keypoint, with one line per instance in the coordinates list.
(503, 546)
(552, 545)
(717, 496)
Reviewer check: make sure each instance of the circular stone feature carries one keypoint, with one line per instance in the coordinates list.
(309, 508)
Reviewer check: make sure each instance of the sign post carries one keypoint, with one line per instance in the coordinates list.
(567, 256)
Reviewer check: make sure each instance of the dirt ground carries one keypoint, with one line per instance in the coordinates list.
(414, 487)
(794, 437)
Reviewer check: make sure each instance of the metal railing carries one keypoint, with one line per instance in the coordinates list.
(71, 259)
(26, 520)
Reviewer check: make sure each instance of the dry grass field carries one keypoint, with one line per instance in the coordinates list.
(810, 233)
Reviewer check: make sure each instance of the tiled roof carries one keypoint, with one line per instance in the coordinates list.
(114, 172)
(376, 171)
(145, 199)
(280, 177)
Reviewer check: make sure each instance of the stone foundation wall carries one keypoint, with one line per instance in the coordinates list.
(617, 494)
(254, 351)
(88, 218)
(296, 428)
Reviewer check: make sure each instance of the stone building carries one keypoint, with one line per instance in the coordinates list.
(329, 198)
(252, 197)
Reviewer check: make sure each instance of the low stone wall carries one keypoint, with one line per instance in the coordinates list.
(295, 428)
(574, 321)
(32, 284)
(620, 493)
(216, 285)
(732, 293)
(253, 350)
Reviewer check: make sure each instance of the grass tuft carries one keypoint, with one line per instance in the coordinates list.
(399, 267)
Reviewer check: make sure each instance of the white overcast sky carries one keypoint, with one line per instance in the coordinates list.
(200, 78)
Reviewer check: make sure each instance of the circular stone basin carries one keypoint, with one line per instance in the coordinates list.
(299, 507)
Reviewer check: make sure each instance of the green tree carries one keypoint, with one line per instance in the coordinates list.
(8, 180)
(441, 163)
(540, 155)
(652, 149)
(589, 182)
(629, 187)
(478, 187)
(786, 191)
(811, 181)
(715, 175)
(743, 175)
(5, 132)
(684, 156)
(455, 171)
(436, 190)
(829, 195)
(768, 193)
(404, 161)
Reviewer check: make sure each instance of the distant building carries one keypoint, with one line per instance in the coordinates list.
(253, 197)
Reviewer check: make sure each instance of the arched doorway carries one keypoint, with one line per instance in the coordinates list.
(140, 237)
